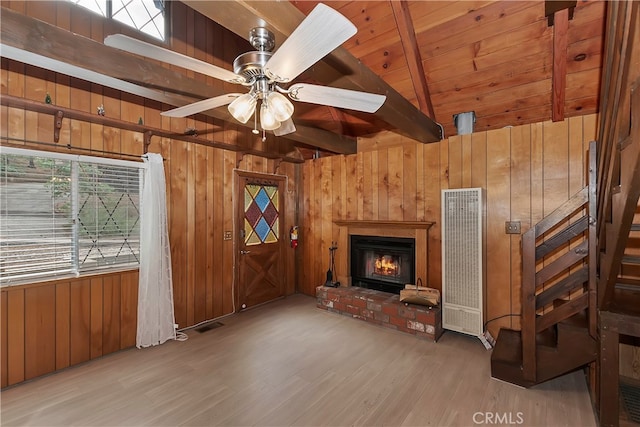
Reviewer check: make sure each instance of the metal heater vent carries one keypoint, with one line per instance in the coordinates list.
(462, 260)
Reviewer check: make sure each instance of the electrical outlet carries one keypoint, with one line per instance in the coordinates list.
(227, 235)
(512, 227)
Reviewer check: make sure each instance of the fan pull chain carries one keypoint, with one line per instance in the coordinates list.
(255, 123)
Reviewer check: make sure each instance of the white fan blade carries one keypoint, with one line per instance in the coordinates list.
(322, 31)
(204, 105)
(129, 44)
(285, 128)
(335, 97)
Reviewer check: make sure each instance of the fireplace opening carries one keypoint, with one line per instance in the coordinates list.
(382, 263)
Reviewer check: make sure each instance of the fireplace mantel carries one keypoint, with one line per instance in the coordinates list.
(391, 224)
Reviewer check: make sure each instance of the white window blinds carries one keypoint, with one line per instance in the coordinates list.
(63, 214)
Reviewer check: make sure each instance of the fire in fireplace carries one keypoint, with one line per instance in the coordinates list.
(382, 263)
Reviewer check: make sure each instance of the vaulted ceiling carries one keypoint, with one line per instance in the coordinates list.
(433, 60)
(495, 58)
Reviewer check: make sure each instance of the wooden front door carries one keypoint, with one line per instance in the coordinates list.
(261, 242)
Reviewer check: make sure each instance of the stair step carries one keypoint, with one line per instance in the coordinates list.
(631, 259)
(635, 227)
(547, 338)
(577, 321)
(575, 349)
(506, 358)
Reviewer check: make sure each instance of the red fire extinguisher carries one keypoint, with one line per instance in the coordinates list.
(293, 235)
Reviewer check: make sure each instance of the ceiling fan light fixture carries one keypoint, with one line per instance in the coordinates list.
(268, 120)
(243, 107)
(281, 107)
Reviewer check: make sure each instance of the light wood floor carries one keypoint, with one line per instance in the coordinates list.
(289, 363)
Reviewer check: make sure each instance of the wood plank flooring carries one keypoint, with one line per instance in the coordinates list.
(289, 363)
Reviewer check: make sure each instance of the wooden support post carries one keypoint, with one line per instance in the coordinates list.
(609, 377)
(559, 78)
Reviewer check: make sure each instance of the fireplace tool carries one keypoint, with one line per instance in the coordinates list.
(331, 272)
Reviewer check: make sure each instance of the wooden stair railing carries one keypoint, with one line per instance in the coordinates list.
(543, 285)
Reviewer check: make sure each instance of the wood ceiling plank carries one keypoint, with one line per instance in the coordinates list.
(428, 14)
(502, 59)
(496, 77)
(590, 49)
(506, 82)
(489, 53)
(559, 76)
(412, 55)
(370, 17)
(135, 74)
(339, 68)
(498, 100)
(496, 18)
(384, 61)
(375, 44)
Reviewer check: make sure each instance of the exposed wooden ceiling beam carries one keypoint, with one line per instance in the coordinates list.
(412, 55)
(559, 77)
(339, 68)
(43, 45)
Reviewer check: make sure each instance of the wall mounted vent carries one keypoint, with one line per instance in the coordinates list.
(463, 260)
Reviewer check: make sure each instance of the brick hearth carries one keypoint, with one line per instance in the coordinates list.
(383, 309)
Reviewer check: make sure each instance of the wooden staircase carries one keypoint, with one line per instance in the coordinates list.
(558, 296)
(581, 264)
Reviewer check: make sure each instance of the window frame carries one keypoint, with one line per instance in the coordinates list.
(77, 269)
(108, 14)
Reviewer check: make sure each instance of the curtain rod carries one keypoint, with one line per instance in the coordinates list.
(70, 147)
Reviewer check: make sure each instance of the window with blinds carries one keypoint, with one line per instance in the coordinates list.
(65, 215)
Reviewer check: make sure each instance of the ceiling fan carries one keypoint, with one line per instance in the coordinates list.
(265, 72)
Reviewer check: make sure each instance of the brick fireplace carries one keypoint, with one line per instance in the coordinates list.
(380, 303)
(383, 309)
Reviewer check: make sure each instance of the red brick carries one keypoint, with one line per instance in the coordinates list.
(352, 309)
(389, 309)
(367, 313)
(416, 326)
(381, 317)
(398, 321)
(327, 303)
(374, 306)
(406, 312)
(359, 303)
(322, 307)
(340, 306)
(427, 317)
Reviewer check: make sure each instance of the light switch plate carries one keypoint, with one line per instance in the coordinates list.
(227, 235)
(512, 227)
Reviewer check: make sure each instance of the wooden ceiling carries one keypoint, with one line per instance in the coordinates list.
(495, 58)
(492, 57)
(433, 59)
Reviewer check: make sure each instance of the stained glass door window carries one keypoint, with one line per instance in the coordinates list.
(261, 224)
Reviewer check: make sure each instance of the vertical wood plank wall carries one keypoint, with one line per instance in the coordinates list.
(49, 326)
(527, 171)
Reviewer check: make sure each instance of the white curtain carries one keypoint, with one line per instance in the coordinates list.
(155, 289)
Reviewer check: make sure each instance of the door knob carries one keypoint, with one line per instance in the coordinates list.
(244, 252)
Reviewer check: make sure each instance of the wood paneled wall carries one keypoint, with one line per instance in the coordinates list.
(527, 171)
(53, 325)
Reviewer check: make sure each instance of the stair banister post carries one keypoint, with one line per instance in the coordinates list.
(528, 323)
